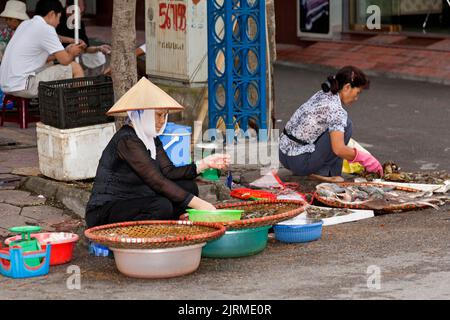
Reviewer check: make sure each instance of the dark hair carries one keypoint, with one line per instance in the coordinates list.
(44, 7)
(349, 74)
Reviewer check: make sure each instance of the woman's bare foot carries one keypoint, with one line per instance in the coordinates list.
(327, 179)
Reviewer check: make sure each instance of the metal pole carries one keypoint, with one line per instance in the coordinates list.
(77, 25)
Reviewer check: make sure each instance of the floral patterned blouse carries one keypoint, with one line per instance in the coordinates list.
(5, 36)
(321, 112)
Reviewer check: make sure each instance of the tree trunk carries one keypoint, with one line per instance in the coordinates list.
(123, 59)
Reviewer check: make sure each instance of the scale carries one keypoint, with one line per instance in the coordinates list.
(27, 243)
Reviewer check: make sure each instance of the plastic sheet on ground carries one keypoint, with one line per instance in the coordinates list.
(355, 215)
(271, 182)
(436, 188)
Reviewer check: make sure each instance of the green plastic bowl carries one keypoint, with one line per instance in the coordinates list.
(214, 216)
(211, 174)
(238, 243)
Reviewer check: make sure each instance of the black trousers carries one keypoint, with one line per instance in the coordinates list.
(149, 208)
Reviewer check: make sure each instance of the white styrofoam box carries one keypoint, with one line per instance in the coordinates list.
(72, 154)
(177, 40)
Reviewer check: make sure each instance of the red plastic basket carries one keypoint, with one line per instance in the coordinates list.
(249, 194)
(62, 250)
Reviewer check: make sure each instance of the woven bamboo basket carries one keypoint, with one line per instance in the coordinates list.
(389, 208)
(285, 210)
(154, 234)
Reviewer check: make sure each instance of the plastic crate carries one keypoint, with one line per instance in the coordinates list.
(73, 103)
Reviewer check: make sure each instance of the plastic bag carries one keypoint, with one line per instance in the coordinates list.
(356, 167)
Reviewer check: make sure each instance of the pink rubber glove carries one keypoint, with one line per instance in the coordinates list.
(368, 161)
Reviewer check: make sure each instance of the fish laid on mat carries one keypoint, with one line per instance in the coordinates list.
(379, 197)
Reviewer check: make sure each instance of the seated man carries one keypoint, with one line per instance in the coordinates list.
(15, 12)
(92, 57)
(34, 45)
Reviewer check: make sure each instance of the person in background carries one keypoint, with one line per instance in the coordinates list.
(141, 64)
(92, 57)
(140, 52)
(135, 179)
(34, 45)
(314, 141)
(15, 12)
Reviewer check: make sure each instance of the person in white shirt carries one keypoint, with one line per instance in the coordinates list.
(29, 55)
(141, 64)
(141, 50)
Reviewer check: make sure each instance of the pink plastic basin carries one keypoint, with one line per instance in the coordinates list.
(62, 250)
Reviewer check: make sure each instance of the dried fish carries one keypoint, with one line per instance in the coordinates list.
(319, 213)
(379, 198)
(264, 211)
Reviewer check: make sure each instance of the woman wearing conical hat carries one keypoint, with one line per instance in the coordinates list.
(135, 179)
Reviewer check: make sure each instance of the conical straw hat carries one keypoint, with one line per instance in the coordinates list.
(145, 95)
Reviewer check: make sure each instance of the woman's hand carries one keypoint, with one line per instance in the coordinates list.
(199, 204)
(368, 161)
(214, 161)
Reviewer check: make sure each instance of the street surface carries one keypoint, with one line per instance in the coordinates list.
(404, 121)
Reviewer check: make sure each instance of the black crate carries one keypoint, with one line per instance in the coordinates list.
(74, 103)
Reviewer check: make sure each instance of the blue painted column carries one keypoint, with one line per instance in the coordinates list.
(237, 63)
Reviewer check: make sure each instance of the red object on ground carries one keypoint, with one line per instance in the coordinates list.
(246, 194)
(62, 250)
(23, 117)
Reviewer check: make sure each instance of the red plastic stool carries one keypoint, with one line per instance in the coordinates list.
(22, 107)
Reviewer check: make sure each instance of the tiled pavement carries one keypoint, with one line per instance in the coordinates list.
(20, 207)
(386, 55)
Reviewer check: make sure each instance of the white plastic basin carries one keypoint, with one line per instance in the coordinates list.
(158, 263)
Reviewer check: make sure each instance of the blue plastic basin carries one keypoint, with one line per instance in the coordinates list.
(298, 234)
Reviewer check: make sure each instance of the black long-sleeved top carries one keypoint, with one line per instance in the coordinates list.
(127, 171)
(63, 30)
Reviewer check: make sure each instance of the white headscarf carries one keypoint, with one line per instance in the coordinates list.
(145, 126)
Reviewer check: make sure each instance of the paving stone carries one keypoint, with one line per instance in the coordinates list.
(14, 220)
(8, 176)
(20, 198)
(4, 234)
(9, 186)
(9, 181)
(44, 214)
(27, 171)
(7, 210)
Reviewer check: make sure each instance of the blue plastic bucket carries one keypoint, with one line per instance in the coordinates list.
(176, 140)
